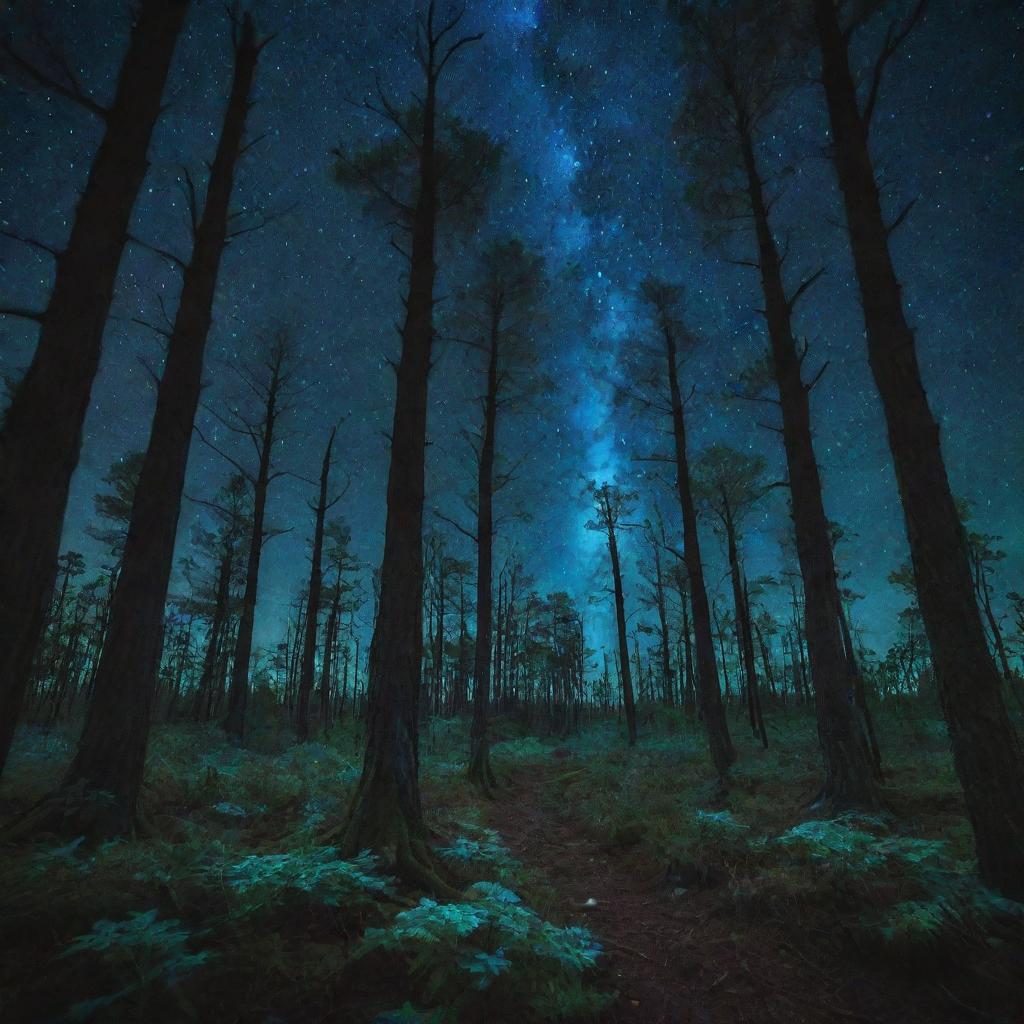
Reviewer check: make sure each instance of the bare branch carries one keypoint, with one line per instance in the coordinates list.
(454, 48)
(71, 91)
(24, 314)
(901, 216)
(458, 526)
(162, 331)
(809, 386)
(224, 455)
(33, 242)
(176, 260)
(802, 287)
(894, 39)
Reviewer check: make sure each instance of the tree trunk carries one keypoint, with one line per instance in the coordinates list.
(215, 636)
(480, 772)
(313, 601)
(385, 814)
(112, 749)
(712, 713)
(860, 695)
(849, 779)
(984, 592)
(238, 688)
(42, 428)
(628, 701)
(986, 751)
(327, 668)
(744, 631)
(666, 656)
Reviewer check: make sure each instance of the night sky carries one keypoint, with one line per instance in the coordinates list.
(582, 96)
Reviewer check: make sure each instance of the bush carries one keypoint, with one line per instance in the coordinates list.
(492, 950)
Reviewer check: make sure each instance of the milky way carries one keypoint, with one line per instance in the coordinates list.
(582, 97)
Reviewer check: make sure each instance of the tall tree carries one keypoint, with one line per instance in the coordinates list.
(111, 752)
(730, 482)
(654, 572)
(232, 508)
(446, 163)
(314, 594)
(741, 68)
(41, 433)
(611, 505)
(986, 751)
(114, 506)
(659, 390)
(272, 387)
(344, 597)
(498, 313)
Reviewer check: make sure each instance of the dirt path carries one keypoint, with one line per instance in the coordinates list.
(674, 957)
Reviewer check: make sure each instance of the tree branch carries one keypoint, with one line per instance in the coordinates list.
(72, 91)
(33, 242)
(894, 39)
(803, 286)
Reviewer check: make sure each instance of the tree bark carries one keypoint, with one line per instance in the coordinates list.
(216, 635)
(986, 751)
(42, 429)
(480, 772)
(659, 600)
(327, 667)
(313, 601)
(628, 701)
(743, 627)
(712, 712)
(385, 814)
(111, 752)
(238, 688)
(849, 780)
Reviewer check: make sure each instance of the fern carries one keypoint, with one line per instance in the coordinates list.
(488, 849)
(157, 951)
(318, 874)
(720, 824)
(838, 843)
(489, 938)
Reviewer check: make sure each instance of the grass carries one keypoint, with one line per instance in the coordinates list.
(226, 906)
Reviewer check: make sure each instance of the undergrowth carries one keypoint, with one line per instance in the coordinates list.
(228, 905)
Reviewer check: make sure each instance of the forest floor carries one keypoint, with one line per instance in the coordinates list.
(601, 883)
(675, 954)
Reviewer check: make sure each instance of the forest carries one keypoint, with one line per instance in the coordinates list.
(512, 512)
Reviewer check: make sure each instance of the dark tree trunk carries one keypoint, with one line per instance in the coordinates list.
(691, 688)
(712, 712)
(112, 749)
(860, 694)
(766, 660)
(849, 779)
(306, 670)
(327, 668)
(480, 772)
(744, 632)
(666, 656)
(439, 640)
(628, 701)
(238, 687)
(216, 635)
(42, 428)
(721, 650)
(984, 592)
(986, 751)
(386, 814)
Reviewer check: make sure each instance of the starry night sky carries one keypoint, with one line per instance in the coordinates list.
(582, 95)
